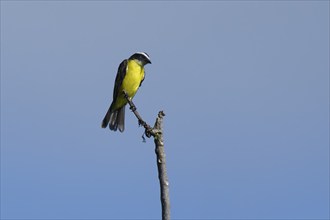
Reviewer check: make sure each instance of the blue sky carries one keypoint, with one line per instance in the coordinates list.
(245, 89)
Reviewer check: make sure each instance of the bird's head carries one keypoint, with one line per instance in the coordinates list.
(141, 57)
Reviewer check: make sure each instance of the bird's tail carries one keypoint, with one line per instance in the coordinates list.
(116, 119)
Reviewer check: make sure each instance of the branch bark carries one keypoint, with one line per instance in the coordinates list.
(157, 133)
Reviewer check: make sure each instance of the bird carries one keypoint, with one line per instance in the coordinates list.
(129, 78)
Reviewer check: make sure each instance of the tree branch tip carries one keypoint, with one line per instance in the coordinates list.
(161, 114)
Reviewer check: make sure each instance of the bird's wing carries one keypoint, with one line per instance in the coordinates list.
(141, 82)
(119, 78)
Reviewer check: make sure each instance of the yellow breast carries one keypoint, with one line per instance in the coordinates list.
(131, 83)
(133, 78)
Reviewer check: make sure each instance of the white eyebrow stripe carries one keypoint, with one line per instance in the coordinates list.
(144, 54)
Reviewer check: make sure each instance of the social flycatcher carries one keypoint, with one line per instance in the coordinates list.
(130, 76)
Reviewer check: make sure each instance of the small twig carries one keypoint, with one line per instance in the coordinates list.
(148, 128)
(157, 133)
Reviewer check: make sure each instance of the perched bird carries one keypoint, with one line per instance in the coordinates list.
(130, 76)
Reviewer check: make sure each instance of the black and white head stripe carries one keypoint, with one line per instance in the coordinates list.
(144, 54)
(141, 56)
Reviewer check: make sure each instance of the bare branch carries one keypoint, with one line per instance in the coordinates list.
(157, 133)
(161, 164)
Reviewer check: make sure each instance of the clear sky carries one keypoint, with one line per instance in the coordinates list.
(245, 89)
